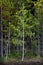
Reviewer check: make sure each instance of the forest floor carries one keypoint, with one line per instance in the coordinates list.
(31, 61)
(22, 63)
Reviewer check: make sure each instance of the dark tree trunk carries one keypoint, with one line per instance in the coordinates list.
(1, 32)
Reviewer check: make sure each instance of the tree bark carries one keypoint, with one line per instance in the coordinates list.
(38, 45)
(9, 40)
(23, 44)
(1, 35)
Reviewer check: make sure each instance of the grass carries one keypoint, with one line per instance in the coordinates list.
(18, 57)
(1, 59)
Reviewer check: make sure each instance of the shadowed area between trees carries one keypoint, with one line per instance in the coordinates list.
(23, 63)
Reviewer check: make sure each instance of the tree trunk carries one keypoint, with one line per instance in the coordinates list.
(9, 40)
(38, 45)
(1, 35)
(6, 52)
(42, 37)
(23, 44)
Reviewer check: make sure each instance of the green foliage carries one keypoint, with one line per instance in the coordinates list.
(21, 13)
(29, 53)
(15, 55)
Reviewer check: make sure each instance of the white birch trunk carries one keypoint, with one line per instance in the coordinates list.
(23, 44)
(6, 47)
(9, 40)
(6, 52)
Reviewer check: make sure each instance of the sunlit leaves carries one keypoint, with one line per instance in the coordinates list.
(19, 17)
